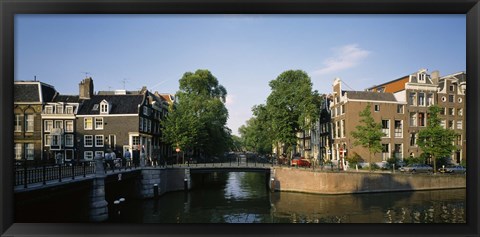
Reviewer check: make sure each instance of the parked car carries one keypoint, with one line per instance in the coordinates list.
(453, 169)
(300, 161)
(414, 168)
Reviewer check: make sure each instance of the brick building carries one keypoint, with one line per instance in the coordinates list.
(401, 107)
(29, 98)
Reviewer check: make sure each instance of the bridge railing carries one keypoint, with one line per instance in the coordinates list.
(25, 175)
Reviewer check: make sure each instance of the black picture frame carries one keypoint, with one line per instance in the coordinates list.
(11, 7)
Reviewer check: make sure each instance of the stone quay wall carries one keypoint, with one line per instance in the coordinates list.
(167, 180)
(308, 181)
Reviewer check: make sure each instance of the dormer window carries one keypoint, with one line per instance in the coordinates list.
(48, 109)
(421, 77)
(59, 109)
(104, 107)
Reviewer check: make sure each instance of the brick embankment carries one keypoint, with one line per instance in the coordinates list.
(308, 181)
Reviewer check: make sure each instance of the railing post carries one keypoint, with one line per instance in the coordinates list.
(73, 170)
(44, 169)
(59, 173)
(25, 174)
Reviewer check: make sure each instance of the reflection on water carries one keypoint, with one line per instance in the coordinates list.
(243, 198)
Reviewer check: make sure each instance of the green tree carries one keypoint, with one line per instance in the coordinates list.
(255, 133)
(292, 106)
(435, 140)
(198, 119)
(369, 133)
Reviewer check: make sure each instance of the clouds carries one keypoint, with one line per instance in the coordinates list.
(345, 57)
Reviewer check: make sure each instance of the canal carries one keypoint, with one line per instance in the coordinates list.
(239, 197)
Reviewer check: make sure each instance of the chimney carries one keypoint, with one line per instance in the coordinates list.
(435, 75)
(86, 88)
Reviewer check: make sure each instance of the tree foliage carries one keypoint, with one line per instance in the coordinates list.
(198, 118)
(369, 133)
(435, 140)
(292, 106)
(256, 133)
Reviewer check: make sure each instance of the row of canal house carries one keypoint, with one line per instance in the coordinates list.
(50, 126)
(401, 107)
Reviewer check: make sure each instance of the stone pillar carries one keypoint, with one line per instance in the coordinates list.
(272, 181)
(150, 178)
(188, 179)
(98, 204)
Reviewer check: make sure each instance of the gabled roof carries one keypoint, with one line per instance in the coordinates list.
(120, 104)
(367, 95)
(30, 91)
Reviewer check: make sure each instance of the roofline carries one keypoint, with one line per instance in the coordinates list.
(401, 78)
(454, 74)
(34, 82)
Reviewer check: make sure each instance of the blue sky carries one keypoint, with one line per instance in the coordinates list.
(244, 52)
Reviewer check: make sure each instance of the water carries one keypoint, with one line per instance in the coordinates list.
(243, 198)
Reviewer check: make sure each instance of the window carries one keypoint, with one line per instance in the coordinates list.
(29, 120)
(444, 98)
(398, 128)
(421, 119)
(98, 123)
(88, 123)
(141, 124)
(343, 109)
(48, 109)
(69, 140)
(59, 109)
(145, 111)
(18, 123)
(99, 140)
(69, 154)
(149, 126)
(398, 151)
(386, 127)
(334, 130)
(450, 124)
(443, 123)
(400, 109)
(459, 124)
(451, 98)
(88, 140)
(29, 151)
(99, 153)
(58, 124)
(429, 99)
(135, 141)
(95, 107)
(421, 99)
(145, 124)
(460, 112)
(88, 155)
(69, 109)
(421, 77)
(342, 123)
(56, 141)
(69, 126)
(18, 151)
(338, 129)
(47, 127)
(48, 139)
(451, 111)
(459, 99)
(104, 107)
(377, 108)
(412, 99)
(413, 139)
(442, 111)
(385, 151)
(459, 140)
(452, 88)
(413, 119)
